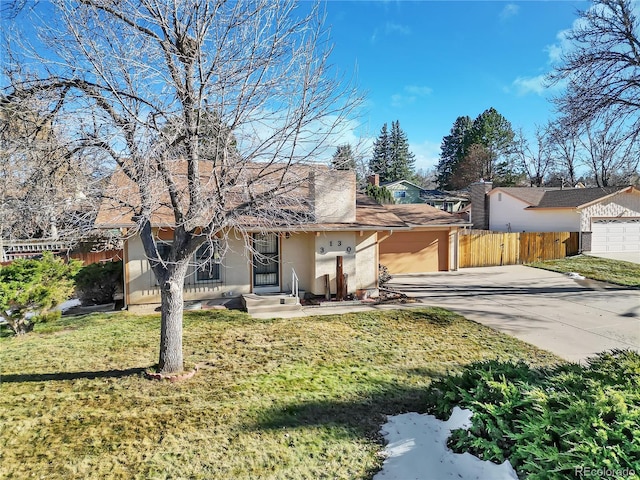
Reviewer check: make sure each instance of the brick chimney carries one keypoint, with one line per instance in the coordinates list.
(374, 180)
(480, 204)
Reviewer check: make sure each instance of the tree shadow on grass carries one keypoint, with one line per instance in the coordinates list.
(61, 376)
(363, 415)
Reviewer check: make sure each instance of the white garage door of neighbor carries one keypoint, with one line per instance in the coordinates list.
(615, 235)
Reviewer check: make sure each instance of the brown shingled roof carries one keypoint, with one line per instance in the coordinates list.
(122, 194)
(529, 195)
(575, 197)
(421, 214)
(118, 210)
(541, 197)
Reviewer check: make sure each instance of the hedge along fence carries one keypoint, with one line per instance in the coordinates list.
(488, 249)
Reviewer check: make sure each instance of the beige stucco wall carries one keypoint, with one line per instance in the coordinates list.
(620, 205)
(296, 252)
(333, 194)
(143, 289)
(311, 254)
(366, 262)
(327, 247)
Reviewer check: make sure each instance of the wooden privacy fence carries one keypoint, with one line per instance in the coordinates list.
(489, 249)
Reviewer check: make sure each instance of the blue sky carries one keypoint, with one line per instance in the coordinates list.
(425, 63)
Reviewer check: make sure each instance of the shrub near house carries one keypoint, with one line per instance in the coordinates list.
(97, 283)
(29, 288)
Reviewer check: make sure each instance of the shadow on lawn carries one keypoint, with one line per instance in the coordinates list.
(364, 414)
(45, 377)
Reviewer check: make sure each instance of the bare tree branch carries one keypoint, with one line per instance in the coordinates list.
(215, 113)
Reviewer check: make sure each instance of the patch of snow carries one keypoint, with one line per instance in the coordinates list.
(74, 302)
(417, 450)
(575, 276)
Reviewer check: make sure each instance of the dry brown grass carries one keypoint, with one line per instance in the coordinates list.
(299, 398)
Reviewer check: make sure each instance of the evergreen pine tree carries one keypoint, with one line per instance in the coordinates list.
(343, 158)
(381, 158)
(403, 161)
(391, 158)
(453, 150)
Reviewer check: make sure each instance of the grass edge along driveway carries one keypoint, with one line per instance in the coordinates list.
(607, 270)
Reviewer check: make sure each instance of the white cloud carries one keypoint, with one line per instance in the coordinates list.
(526, 85)
(409, 95)
(427, 154)
(509, 10)
(421, 91)
(554, 52)
(391, 28)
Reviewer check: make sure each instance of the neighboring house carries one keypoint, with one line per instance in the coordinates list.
(406, 192)
(445, 201)
(403, 191)
(341, 223)
(607, 218)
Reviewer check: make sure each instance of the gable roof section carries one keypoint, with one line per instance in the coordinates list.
(630, 189)
(122, 195)
(401, 182)
(529, 195)
(441, 195)
(575, 197)
(539, 198)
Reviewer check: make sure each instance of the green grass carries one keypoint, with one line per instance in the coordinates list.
(602, 269)
(295, 398)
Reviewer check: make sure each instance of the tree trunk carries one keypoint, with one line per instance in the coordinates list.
(171, 360)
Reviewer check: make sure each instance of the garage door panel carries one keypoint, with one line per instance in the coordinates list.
(415, 252)
(615, 235)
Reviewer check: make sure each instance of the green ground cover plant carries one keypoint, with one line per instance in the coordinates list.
(30, 288)
(602, 269)
(551, 422)
(274, 399)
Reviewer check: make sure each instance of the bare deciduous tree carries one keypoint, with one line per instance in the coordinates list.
(611, 152)
(42, 188)
(206, 108)
(602, 66)
(536, 161)
(564, 143)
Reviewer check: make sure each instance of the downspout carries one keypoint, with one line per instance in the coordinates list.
(580, 235)
(456, 250)
(125, 276)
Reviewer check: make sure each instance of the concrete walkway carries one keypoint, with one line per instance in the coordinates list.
(572, 318)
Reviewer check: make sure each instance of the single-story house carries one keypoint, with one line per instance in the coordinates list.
(406, 192)
(447, 201)
(607, 218)
(341, 223)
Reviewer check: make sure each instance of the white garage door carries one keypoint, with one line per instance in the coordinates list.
(615, 235)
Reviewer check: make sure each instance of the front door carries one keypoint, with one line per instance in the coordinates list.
(266, 270)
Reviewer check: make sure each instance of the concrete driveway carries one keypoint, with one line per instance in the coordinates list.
(574, 319)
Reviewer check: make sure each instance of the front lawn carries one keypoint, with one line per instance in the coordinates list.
(294, 398)
(602, 269)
